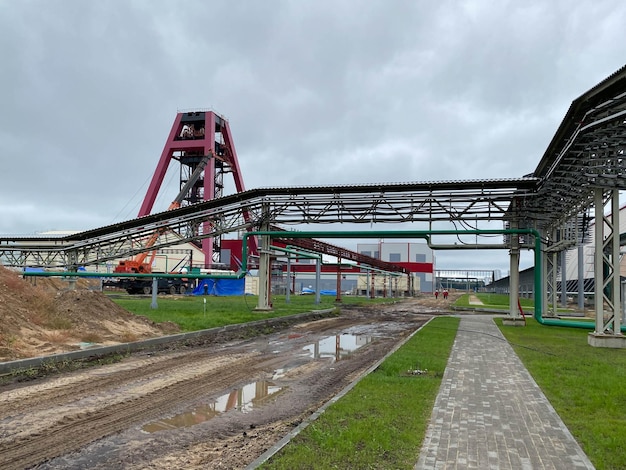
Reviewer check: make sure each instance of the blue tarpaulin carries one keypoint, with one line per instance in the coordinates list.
(221, 287)
(308, 290)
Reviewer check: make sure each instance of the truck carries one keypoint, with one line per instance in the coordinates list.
(134, 285)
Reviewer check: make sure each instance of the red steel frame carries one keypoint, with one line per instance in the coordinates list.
(198, 133)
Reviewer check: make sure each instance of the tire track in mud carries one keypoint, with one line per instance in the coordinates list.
(231, 443)
(64, 389)
(43, 417)
(75, 431)
(80, 384)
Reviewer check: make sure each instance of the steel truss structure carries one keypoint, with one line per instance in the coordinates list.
(380, 203)
(194, 135)
(582, 168)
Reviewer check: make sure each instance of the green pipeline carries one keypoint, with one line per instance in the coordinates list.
(426, 234)
(237, 275)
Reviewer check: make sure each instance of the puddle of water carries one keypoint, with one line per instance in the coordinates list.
(293, 364)
(243, 399)
(256, 394)
(337, 347)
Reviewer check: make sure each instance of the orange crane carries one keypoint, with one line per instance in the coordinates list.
(138, 264)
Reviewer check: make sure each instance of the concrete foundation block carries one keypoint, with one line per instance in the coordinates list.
(606, 341)
(513, 321)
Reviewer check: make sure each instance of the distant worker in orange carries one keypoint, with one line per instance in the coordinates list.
(445, 294)
(436, 294)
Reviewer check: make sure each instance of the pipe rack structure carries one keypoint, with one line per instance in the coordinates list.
(581, 172)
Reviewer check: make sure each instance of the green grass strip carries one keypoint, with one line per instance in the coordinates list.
(495, 301)
(585, 385)
(382, 421)
(191, 313)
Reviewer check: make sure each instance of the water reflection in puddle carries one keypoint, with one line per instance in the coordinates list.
(244, 399)
(337, 347)
(256, 394)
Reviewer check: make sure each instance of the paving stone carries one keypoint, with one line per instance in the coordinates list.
(490, 413)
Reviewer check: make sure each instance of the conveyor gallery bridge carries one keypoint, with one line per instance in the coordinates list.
(578, 179)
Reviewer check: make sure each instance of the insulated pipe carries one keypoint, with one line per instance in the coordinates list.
(358, 234)
(302, 254)
(310, 254)
(465, 246)
(237, 275)
(425, 234)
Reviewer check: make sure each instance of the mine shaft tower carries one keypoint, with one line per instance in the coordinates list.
(195, 134)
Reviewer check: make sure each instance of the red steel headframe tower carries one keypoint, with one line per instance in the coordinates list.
(193, 135)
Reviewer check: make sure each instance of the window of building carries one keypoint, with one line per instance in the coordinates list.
(420, 258)
(394, 257)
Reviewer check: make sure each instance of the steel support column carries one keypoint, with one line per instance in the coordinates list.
(615, 259)
(318, 275)
(551, 283)
(265, 274)
(607, 294)
(338, 287)
(581, 276)
(514, 276)
(288, 292)
(544, 280)
(563, 259)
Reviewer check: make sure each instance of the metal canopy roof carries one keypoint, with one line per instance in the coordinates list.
(586, 152)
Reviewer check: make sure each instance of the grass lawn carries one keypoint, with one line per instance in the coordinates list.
(495, 301)
(191, 313)
(585, 385)
(381, 422)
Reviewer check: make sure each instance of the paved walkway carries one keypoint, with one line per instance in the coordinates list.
(490, 413)
(473, 300)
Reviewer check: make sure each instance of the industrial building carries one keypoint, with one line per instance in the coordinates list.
(417, 258)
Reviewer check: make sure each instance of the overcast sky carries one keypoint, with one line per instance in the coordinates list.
(316, 93)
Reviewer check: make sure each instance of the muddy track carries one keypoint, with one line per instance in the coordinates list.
(58, 391)
(17, 398)
(93, 418)
(74, 430)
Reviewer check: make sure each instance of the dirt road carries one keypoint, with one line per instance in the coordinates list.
(218, 406)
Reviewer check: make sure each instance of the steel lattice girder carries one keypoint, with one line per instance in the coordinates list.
(586, 152)
(410, 202)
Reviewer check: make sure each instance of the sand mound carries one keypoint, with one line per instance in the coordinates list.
(38, 319)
